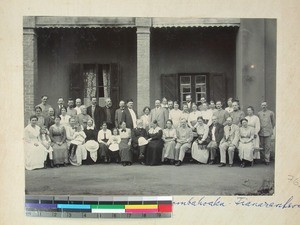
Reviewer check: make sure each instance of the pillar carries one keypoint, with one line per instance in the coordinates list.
(143, 62)
(30, 66)
(250, 63)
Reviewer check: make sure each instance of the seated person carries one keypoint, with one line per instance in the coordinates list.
(139, 141)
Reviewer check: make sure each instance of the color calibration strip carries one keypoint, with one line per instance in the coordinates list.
(98, 206)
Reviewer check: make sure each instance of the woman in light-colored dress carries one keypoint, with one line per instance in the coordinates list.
(146, 118)
(199, 148)
(175, 115)
(64, 117)
(253, 121)
(57, 133)
(46, 142)
(185, 112)
(206, 114)
(246, 145)
(41, 119)
(229, 109)
(169, 137)
(34, 150)
(125, 145)
(103, 136)
(193, 116)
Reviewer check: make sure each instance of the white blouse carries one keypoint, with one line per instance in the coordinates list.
(101, 135)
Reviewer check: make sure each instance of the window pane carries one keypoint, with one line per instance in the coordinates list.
(186, 90)
(200, 79)
(185, 80)
(90, 82)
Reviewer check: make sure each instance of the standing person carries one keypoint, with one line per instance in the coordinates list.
(246, 146)
(71, 111)
(129, 115)
(41, 118)
(57, 134)
(267, 124)
(78, 104)
(46, 142)
(159, 114)
(212, 107)
(119, 114)
(229, 142)
(125, 145)
(34, 150)
(236, 114)
(155, 145)
(49, 120)
(170, 105)
(113, 145)
(175, 115)
(164, 103)
(221, 114)
(185, 112)
(169, 137)
(83, 117)
(139, 142)
(206, 114)
(94, 111)
(193, 117)
(229, 107)
(65, 118)
(91, 145)
(184, 139)
(253, 121)
(199, 148)
(103, 136)
(107, 114)
(146, 117)
(60, 105)
(202, 101)
(188, 102)
(44, 106)
(216, 133)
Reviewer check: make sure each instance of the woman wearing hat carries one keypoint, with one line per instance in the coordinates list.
(91, 145)
(246, 143)
(155, 145)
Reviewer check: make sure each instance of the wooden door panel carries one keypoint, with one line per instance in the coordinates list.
(218, 87)
(169, 86)
(76, 81)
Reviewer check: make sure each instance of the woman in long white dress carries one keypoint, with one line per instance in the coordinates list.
(246, 145)
(34, 150)
(175, 115)
(253, 121)
(199, 147)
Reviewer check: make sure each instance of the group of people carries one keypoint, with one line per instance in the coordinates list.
(78, 135)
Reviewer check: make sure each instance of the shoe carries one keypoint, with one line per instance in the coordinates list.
(142, 163)
(45, 164)
(105, 160)
(129, 164)
(65, 164)
(124, 164)
(57, 166)
(117, 161)
(141, 156)
(243, 165)
(222, 165)
(211, 163)
(51, 164)
(171, 161)
(230, 165)
(267, 163)
(178, 163)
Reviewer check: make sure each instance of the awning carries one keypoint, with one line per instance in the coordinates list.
(194, 22)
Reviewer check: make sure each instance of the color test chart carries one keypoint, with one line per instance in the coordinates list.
(98, 206)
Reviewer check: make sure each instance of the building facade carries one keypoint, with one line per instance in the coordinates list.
(149, 58)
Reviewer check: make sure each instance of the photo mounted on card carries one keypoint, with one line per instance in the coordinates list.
(147, 106)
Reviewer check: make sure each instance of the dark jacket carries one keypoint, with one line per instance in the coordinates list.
(136, 133)
(97, 114)
(103, 115)
(219, 132)
(127, 118)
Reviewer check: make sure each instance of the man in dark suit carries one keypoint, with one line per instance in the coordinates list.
(129, 115)
(60, 105)
(138, 147)
(188, 102)
(107, 114)
(119, 114)
(94, 111)
(216, 133)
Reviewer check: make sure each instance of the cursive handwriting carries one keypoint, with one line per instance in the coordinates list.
(239, 202)
(295, 181)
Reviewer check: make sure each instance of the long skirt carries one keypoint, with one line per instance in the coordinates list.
(246, 151)
(256, 154)
(80, 155)
(200, 152)
(125, 150)
(103, 151)
(168, 150)
(34, 156)
(154, 152)
(60, 153)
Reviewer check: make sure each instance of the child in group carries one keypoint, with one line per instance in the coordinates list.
(78, 139)
(46, 141)
(113, 145)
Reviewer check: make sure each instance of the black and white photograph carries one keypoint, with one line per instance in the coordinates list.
(149, 106)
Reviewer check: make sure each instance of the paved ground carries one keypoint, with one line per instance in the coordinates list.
(113, 179)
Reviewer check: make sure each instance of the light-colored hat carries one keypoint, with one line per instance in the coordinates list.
(142, 141)
(91, 146)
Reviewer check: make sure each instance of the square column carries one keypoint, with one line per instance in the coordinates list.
(30, 68)
(143, 63)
